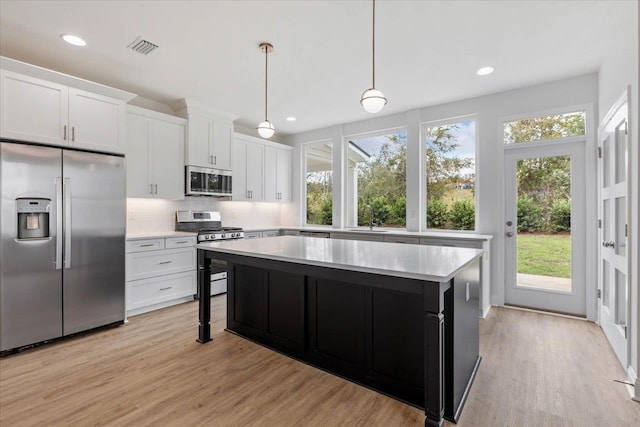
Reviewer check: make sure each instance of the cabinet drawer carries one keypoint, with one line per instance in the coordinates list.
(144, 245)
(155, 290)
(357, 236)
(180, 242)
(271, 233)
(458, 243)
(291, 232)
(150, 264)
(253, 235)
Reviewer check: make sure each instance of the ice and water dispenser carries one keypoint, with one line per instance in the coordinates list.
(33, 218)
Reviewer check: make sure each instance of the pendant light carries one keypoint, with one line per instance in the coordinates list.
(266, 129)
(372, 99)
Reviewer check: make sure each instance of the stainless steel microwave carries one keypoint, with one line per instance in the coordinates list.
(207, 182)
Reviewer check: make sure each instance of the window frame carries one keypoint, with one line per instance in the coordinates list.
(303, 193)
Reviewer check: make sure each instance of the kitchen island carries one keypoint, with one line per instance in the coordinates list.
(400, 319)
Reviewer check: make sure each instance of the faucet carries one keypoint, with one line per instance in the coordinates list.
(371, 223)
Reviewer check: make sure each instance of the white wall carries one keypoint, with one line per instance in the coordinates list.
(577, 91)
(620, 69)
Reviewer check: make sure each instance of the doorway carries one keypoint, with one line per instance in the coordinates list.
(545, 229)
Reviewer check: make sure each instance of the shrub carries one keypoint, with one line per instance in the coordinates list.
(381, 209)
(463, 215)
(561, 215)
(326, 211)
(437, 214)
(399, 212)
(529, 215)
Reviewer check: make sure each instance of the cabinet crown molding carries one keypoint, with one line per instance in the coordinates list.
(187, 106)
(261, 141)
(155, 115)
(64, 79)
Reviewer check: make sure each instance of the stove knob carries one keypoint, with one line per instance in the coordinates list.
(234, 234)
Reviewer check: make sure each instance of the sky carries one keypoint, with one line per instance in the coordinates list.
(465, 135)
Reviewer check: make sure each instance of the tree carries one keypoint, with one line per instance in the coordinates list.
(442, 169)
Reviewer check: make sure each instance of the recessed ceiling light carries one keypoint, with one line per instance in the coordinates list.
(484, 71)
(74, 40)
(291, 119)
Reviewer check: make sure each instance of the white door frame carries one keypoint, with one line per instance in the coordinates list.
(617, 336)
(574, 302)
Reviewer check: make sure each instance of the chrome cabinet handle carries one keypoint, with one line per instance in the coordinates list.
(215, 160)
(467, 292)
(210, 160)
(65, 132)
(165, 262)
(59, 229)
(611, 245)
(73, 133)
(182, 242)
(164, 289)
(67, 222)
(147, 245)
(156, 192)
(150, 188)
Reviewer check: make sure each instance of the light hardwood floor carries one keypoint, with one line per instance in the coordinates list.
(537, 370)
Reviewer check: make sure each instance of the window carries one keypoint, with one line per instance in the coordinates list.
(319, 183)
(450, 172)
(376, 181)
(545, 127)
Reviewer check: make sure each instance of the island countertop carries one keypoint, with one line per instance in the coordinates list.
(422, 262)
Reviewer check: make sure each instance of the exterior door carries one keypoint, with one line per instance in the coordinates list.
(613, 282)
(545, 264)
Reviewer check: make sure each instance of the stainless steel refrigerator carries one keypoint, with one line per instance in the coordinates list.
(62, 224)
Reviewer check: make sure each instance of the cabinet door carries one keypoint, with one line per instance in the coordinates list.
(168, 161)
(97, 122)
(255, 158)
(239, 183)
(33, 109)
(197, 151)
(283, 175)
(221, 136)
(137, 156)
(271, 174)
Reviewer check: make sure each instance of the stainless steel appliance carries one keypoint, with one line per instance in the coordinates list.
(207, 182)
(208, 225)
(62, 225)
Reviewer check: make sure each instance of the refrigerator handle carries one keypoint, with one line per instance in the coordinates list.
(67, 222)
(58, 261)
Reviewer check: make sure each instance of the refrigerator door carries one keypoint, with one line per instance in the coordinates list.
(30, 281)
(94, 236)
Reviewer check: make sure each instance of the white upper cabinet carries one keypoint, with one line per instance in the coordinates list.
(277, 174)
(155, 155)
(96, 121)
(33, 109)
(209, 135)
(49, 112)
(248, 158)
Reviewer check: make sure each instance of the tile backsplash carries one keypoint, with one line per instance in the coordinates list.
(153, 215)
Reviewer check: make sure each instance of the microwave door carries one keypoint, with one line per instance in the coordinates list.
(197, 182)
(213, 183)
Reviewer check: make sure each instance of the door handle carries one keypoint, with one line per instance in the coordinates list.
(67, 222)
(611, 245)
(59, 219)
(509, 233)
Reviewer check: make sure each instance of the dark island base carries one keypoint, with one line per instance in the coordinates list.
(390, 334)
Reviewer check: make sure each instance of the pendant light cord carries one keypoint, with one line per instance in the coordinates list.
(266, 77)
(373, 79)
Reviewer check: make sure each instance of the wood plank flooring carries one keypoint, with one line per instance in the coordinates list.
(537, 370)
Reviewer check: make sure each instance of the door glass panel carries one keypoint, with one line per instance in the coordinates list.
(621, 153)
(606, 288)
(544, 223)
(621, 298)
(621, 220)
(606, 149)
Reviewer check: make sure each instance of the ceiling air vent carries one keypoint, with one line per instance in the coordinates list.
(142, 46)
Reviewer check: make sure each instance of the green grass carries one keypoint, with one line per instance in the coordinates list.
(544, 254)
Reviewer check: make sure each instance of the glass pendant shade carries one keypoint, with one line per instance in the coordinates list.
(373, 100)
(266, 129)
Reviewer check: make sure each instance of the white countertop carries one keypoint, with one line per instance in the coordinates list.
(158, 235)
(422, 262)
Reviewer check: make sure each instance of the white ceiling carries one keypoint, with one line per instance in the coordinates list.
(427, 51)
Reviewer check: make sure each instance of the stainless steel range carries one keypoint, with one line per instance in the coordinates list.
(208, 225)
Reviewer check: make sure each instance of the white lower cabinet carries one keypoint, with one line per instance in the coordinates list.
(160, 272)
(261, 234)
